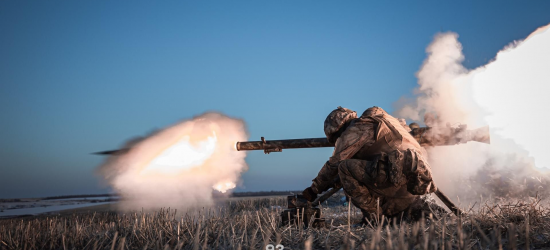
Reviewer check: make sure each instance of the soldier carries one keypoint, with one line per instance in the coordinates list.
(378, 163)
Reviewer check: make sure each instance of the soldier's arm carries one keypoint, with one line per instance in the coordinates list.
(358, 135)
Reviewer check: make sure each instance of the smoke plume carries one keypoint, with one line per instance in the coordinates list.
(179, 166)
(510, 94)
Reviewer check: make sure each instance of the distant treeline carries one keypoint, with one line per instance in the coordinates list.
(236, 194)
(264, 193)
(215, 194)
(79, 196)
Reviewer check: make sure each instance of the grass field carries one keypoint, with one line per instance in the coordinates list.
(254, 223)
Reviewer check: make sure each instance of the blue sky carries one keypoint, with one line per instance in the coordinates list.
(82, 76)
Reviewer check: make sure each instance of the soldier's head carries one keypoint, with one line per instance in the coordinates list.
(337, 121)
(414, 125)
(373, 111)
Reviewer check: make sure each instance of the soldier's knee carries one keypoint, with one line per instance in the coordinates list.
(352, 168)
(345, 167)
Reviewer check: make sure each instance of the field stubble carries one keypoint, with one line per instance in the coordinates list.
(255, 223)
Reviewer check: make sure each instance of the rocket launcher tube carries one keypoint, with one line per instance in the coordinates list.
(425, 136)
(279, 145)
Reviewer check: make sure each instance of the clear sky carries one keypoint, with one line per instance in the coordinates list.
(83, 76)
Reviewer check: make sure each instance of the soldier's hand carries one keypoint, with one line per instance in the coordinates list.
(309, 194)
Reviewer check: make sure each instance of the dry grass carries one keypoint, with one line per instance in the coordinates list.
(255, 223)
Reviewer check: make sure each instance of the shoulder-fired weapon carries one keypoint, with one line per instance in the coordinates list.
(426, 137)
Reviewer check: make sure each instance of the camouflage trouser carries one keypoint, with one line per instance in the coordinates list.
(368, 186)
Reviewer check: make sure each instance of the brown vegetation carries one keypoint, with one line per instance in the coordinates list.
(255, 223)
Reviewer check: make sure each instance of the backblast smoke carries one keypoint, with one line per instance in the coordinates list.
(510, 94)
(179, 166)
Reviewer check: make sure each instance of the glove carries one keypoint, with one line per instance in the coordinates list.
(309, 194)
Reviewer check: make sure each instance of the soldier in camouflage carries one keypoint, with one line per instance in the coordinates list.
(381, 167)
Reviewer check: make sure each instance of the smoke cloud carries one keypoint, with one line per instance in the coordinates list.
(179, 166)
(510, 94)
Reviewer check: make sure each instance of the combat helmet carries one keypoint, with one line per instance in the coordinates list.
(414, 125)
(373, 111)
(336, 120)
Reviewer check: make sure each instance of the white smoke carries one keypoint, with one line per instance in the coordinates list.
(510, 94)
(179, 166)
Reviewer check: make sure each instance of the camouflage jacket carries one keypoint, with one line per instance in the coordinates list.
(368, 136)
(356, 136)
